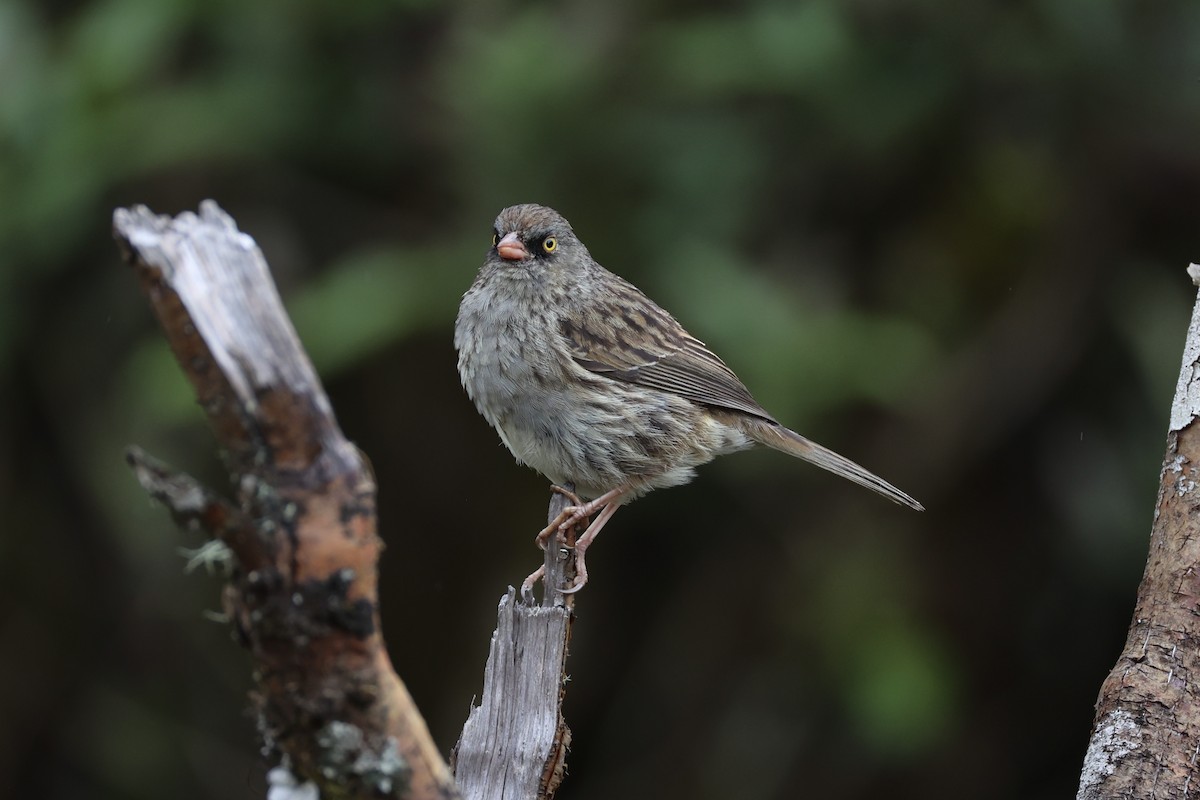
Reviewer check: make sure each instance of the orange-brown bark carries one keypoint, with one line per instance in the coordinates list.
(1146, 736)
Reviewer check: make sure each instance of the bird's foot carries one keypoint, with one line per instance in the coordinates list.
(571, 515)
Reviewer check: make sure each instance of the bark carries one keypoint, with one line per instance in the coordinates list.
(1146, 735)
(302, 526)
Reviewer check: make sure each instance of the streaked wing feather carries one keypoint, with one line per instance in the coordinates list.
(635, 341)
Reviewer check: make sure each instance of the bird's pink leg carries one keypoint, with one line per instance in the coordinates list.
(606, 503)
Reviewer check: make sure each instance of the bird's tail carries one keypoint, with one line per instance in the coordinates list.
(780, 438)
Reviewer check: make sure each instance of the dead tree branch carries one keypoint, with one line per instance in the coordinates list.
(302, 525)
(1146, 733)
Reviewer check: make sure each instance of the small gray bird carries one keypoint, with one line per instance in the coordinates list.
(589, 382)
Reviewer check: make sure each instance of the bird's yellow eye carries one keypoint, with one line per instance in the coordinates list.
(495, 239)
(550, 244)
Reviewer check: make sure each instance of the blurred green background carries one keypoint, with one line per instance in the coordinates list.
(945, 239)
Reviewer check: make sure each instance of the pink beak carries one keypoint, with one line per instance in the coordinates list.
(510, 248)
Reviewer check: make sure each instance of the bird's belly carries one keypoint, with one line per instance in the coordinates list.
(646, 440)
(538, 448)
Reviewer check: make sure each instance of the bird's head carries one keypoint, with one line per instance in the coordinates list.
(535, 238)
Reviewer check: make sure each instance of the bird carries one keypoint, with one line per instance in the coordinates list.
(591, 383)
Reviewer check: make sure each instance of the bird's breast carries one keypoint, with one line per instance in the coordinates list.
(509, 354)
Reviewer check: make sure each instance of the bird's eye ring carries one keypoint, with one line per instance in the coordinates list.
(549, 244)
(495, 239)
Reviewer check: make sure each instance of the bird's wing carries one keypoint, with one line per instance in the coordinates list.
(631, 339)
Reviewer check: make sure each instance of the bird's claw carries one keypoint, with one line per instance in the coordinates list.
(575, 586)
(567, 493)
(527, 584)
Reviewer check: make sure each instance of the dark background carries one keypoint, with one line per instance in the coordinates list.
(945, 239)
